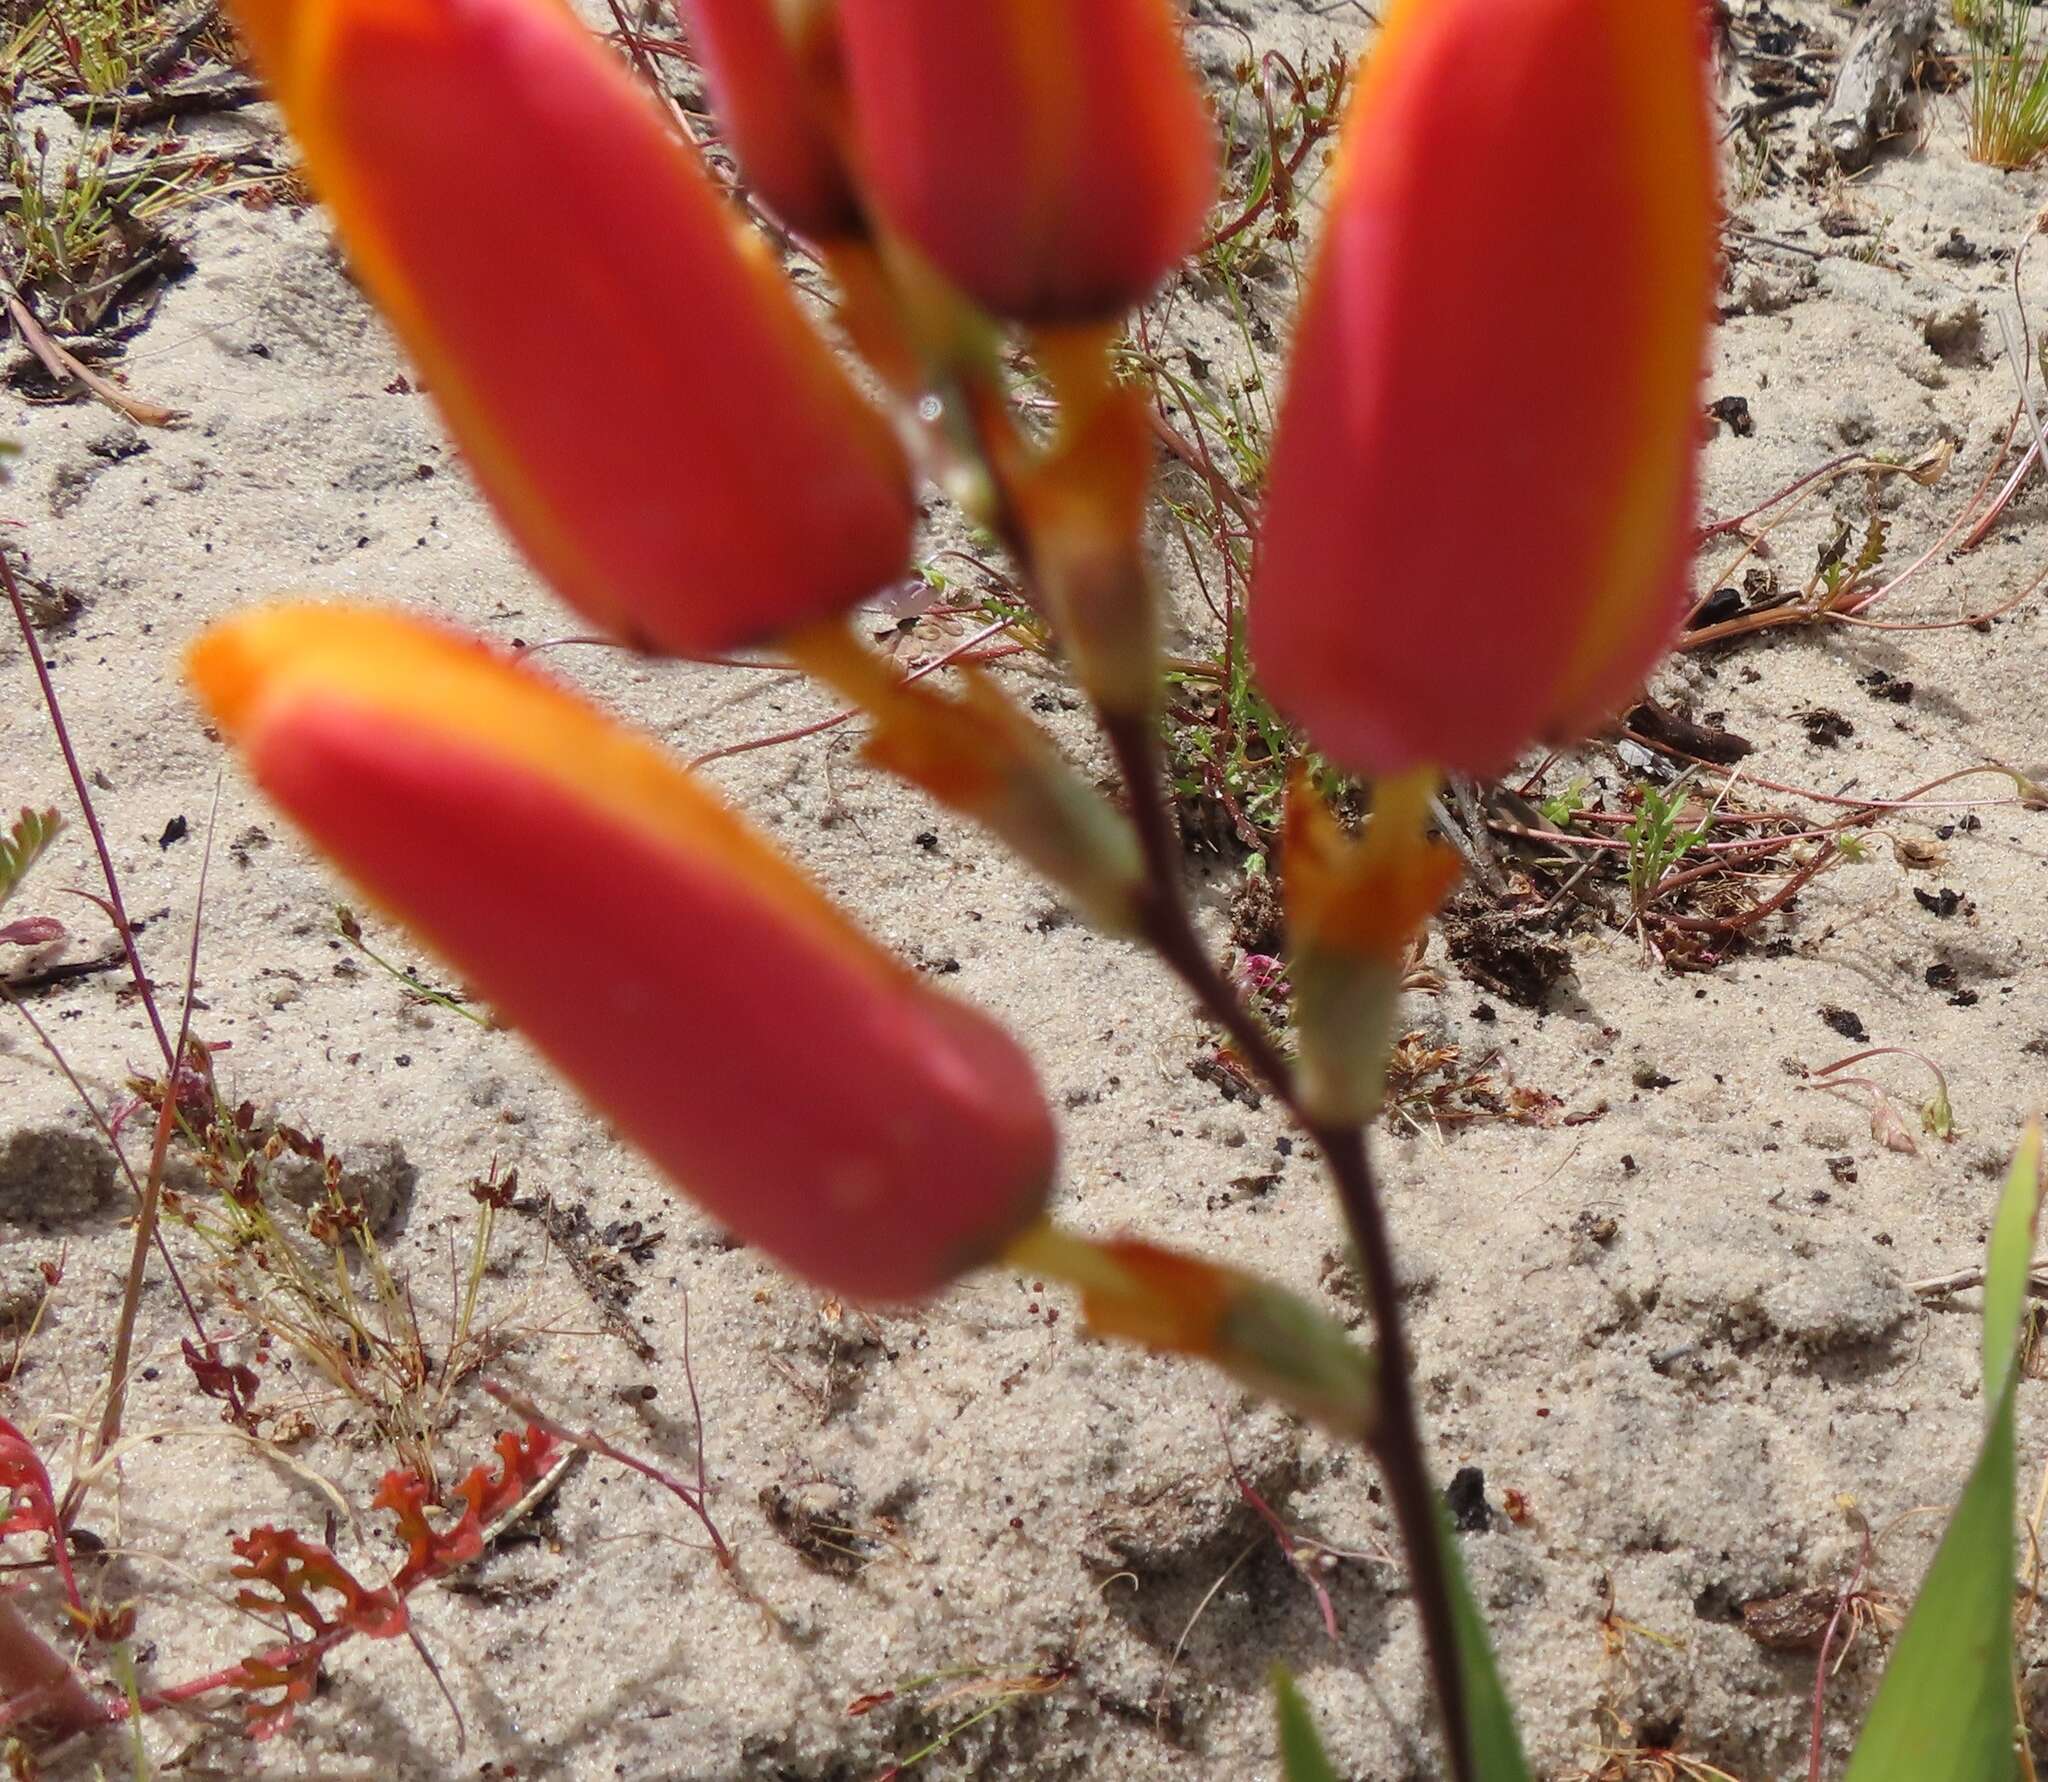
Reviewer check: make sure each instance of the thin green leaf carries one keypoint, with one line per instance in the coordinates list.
(2006, 1267)
(1496, 1746)
(33, 831)
(1944, 1712)
(1302, 1758)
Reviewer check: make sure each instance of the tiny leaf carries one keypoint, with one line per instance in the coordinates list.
(21, 846)
(1302, 1758)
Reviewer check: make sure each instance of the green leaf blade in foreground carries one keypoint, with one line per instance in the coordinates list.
(1302, 1758)
(1490, 1722)
(1944, 1712)
(2006, 1266)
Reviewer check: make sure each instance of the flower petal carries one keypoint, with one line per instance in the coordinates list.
(1054, 158)
(1480, 494)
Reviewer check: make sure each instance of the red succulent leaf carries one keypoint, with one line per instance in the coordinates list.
(294, 1568)
(33, 1507)
(295, 1672)
(524, 1460)
(231, 1382)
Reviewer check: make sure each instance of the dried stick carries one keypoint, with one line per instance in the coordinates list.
(64, 368)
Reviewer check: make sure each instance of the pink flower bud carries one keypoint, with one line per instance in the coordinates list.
(1054, 158)
(655, 420)
(1480, 498)
(811, 1092)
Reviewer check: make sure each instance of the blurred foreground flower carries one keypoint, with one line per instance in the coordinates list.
(772, 66)
(656, 421)
(1481, 492)
(811, 1092)
(1054, 158)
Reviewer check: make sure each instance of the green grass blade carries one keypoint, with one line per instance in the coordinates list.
(1496, 1746)
(2006, 1265)
(1302, 1758)
(1944, 1712)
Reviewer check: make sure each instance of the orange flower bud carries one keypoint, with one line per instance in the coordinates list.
(653, 417)
(1260, 1334)
(1354, 908)
(811, 1092)
(772, 67)
(1054, 158)
(1480, 498)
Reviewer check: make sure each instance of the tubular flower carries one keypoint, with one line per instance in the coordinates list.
(1178, 1304)
(1354, 909)
(653, 417)
(812, 1093)
(1054, 158)
(1480, 496)
(772, 65)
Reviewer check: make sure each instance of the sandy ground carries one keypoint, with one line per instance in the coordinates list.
(1679, 1329)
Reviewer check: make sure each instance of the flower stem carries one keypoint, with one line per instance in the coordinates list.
(1397, 1444)
(1091, 548)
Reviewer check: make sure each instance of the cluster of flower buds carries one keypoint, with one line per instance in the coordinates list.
(1476, 517)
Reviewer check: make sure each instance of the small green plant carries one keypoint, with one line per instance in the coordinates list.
(2008, 123)
(319, 1284)
(1561, 808)
(104, 43)
(416, 987)
(20, 847)
(1231, 754)
(71, 235)
(1657, 839)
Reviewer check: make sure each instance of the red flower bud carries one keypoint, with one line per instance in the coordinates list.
(653, 417)
(1054, 158)
(1480, 500)
(813, 1093)
(772, 66)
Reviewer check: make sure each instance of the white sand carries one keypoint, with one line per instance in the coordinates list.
(1025, 1497)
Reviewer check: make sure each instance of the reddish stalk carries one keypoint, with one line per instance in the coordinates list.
(1397, 1445)
(1756, 912)
(146, 1231)
(692, 1497)
(1280, 186)
(1907, 801)
(958, 654)
(1843, 1598)
(122, 926)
